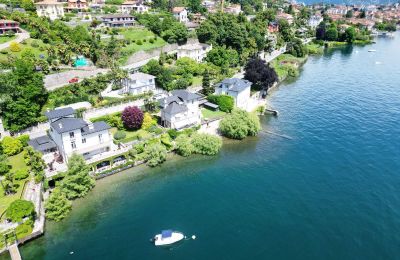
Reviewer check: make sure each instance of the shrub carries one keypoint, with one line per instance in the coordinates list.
(20, 209)
(173, 133)
(166, 141)
(225, 102)
(183, 145)
(34, 44)
(21, 174)
(132, 117)
(24, 140)
(148, 121)
(139, 42)
(15, 47)
(57, 206)
(240, 124)
(151, 40)
(11, 146)
(206, 144)
(119, 135)
(4, 168)
(139, 148)
(144, 40)
(155, 154)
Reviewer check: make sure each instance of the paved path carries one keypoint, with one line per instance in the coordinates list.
(20, 38)
(14, 252)
(58, 80)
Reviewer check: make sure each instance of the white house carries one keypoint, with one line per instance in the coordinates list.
(315, 20)
(118, 20)
(50, 8)
(239, 89)
(136, 6)
(138, 83)
(196, 51)
(75, 135)
(180, 13)
(180, 110)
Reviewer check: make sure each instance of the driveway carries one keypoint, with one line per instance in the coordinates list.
(20, 38)
(58, 80)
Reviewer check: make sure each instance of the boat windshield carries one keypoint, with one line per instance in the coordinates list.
(166, 233)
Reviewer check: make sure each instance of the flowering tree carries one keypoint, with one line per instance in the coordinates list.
(132, 117)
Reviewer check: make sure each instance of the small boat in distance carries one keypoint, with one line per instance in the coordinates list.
(371, 50)
(167, 237)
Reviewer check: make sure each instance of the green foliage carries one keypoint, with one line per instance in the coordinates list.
(57, 206)
(154, 154)
(386, 26)
(206, 144)
(21, 174)
(223, 57)
(240, 124)
(4, 168)
(350, 35)
(297, 48)
(34, 160)
(332, 34)
(166, 141)
(24, 229)
(11, 146)
(183, 145)
(24, 139)
(77, 182)
(8, 184)
(119, 135)
(20, 209)
(225, 102)
(15, 47)
(173, 133)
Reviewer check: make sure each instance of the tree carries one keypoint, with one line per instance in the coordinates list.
(260, 74)
(224, 102)
(77, 182)
(195, 6)
(240, 124)
(154, 154)
(57, 206)
(362, 14)
(132, 117)
(285, 30)
(20, 209)
(223, 57)
(331, 34)
(350, 35)
(37, 164)
(11, 146)
(320, 31)
(148, 121)
(8, 184)
(183, 145)
(349, 14)
(4, 168)
(206, 83)
(297, 48)
(206, 144)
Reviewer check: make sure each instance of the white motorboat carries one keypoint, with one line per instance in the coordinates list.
(167, 237)
(371, 50)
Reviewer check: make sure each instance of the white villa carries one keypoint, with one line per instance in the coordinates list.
(239, 89)
(138, 83)
(50, 8)
(196, 51)
(136, 6)
(315, 20)
(69, 135)
(181, 14)
(180, 110)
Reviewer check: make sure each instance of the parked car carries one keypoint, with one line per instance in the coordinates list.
(73, 80)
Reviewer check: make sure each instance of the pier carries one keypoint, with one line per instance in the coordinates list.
(14, 252)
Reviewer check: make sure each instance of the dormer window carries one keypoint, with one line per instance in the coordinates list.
(71, 135)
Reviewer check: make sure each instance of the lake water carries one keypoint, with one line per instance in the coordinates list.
(322, 181)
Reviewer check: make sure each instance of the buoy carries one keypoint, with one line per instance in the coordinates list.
(71, 253)
(193, 237)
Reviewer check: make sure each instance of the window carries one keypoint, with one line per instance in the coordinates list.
(71, 134)
(100, 138)
(73, 145)
(84, 140)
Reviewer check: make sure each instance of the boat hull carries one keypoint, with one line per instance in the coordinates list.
(174, 238)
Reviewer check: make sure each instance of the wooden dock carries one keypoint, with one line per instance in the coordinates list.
(14, 252)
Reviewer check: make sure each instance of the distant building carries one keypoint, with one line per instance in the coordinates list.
(273, 27)
(233, 9)
(7, 26)
(180, 110)
(181, 14)
(118, 20)
(74, 135)
(135, 6)
(196, 51)
(138, 83)
(77, 5)
(315, 20)
(198, 18)
(239, 89)
(50, 8)
(284, 16)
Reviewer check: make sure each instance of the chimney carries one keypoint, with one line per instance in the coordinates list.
(90, 126)
(60, 125)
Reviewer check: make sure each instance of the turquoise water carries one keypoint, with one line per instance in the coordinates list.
(325, 185)
(80, 62)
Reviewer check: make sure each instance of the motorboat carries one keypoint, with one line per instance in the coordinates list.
(371, 50)
(167, 237)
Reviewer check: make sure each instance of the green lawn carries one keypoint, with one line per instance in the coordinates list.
(210, 114)
(136, 34)
(17, 162)
(197, 81)
(4, 39)
(38, 48)
(140, 134)
(287, 65)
